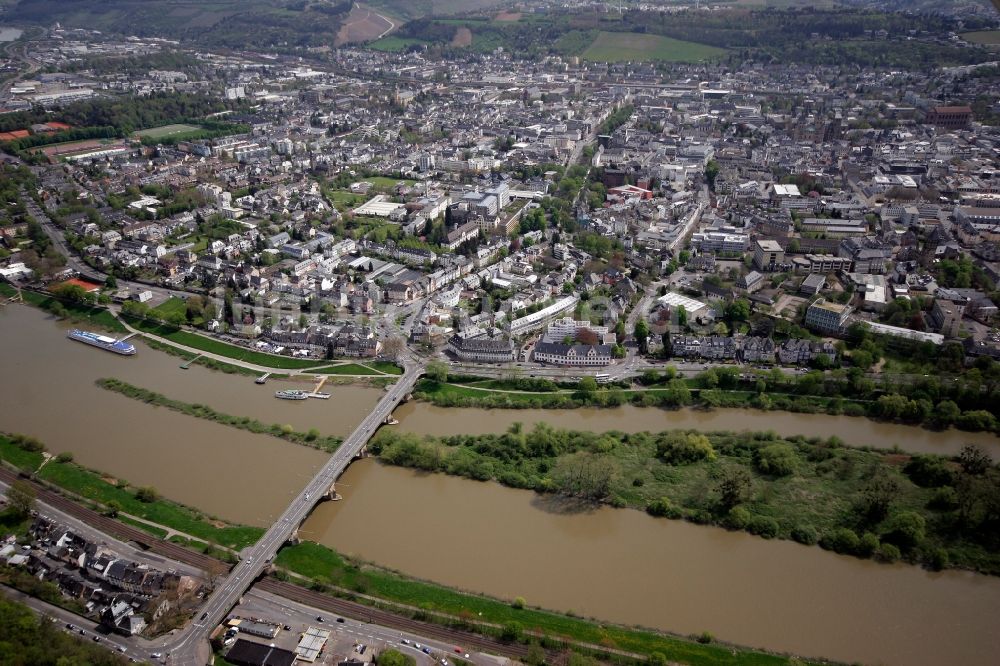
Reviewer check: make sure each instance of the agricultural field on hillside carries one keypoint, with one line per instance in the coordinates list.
(363, 25)
(987, 37)
(393, 44)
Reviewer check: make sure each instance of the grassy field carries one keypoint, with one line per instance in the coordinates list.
(347, 369)
(385, 366)
(345, 199)
(624, 46)
(213, 346)
(987, 37)
(393, 44)
(19, 457)
(172, 305)
(373, 369)
(167, 130)
(203, 361)
(325, 565)
(385, 181)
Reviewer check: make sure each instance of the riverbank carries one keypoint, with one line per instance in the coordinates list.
(198, 359)
(312, 438)
(884, 505)
(362, 583)
(328, 568)
(66, 309)
(116, 496)
(797, 396)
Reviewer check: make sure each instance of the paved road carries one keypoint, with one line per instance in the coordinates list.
(188, 646)
(95, 535)
(259, 602)
(80, 626)
(59, 240)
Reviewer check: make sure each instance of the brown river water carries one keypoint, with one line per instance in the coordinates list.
(618, 565)
(623, 566)
(48, 391)
(426, 419)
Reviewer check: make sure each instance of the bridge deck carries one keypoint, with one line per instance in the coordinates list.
(229, 590)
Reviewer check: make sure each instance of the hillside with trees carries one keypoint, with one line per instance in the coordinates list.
(28, 640)
(227, 23)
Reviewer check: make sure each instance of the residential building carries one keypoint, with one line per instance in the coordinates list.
(482, 348)
(750, 282)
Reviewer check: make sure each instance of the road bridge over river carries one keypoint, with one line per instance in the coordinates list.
(189, 646)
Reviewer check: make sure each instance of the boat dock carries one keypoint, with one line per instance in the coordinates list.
(16, 298)
(185, 366)
(262, 378)
(130, 335)
(315, 392)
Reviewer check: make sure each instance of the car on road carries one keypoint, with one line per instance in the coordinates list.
(426, 650)
(340, 620)
(204, 615)
(319, 618)
(156, 655)
(405, 641)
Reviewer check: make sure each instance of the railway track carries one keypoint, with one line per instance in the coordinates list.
(120, 530)
(289, 591)
(387, 619)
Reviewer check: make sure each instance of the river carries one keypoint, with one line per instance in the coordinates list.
(426, 419)
(48, 391)
(619, 565)
(624, 566)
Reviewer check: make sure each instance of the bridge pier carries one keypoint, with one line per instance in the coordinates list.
(332, 494)
(293, 538)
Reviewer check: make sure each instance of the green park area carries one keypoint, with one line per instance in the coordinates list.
(374, 369)
(206, 344)
(627, 46)
(168, 130)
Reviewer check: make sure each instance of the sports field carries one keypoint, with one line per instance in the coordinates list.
(988, 37)
(167, 130)
(624, 46)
